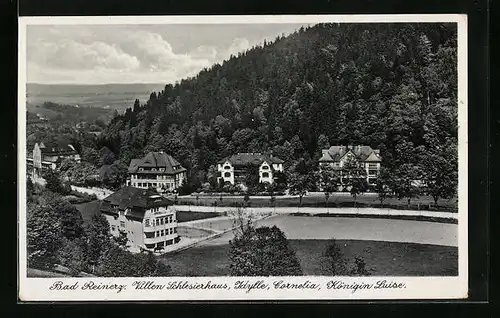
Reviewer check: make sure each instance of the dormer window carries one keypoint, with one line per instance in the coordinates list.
(154, 169)
(162, 169)
(141, 169)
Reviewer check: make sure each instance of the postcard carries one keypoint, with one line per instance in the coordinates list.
(283, 157)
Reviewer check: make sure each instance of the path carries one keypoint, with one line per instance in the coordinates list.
(313, 210)
(307, 227)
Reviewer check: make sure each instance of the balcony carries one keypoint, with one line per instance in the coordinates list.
(160, 227)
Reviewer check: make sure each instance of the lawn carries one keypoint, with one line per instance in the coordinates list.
(382, 258)
(318, 200)
(184, 216)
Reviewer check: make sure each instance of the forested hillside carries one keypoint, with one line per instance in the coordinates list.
(390, 86)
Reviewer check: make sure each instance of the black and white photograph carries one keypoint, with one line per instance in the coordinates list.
(242, 157)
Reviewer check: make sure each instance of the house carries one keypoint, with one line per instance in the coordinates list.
(236, 168)
(50, 155)
(144, 216)
(156, 170)
(367, 158)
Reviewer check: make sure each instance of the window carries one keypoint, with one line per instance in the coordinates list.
(157, 222)
(265, 168)
(157, 233)
(154, 169)
(113, 228)
(372, 172)
(227, 167)
(122, 223)
(227, 174)
(162, 169)
(372, 165)
(175, 230)
(265, 175)
(141, 169)
(162, 233)
(146, 223)
(161, 221)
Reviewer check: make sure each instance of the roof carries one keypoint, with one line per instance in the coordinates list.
(252, 158)
(156, 160)
(362, 153)
(135, 199)
(61, 146)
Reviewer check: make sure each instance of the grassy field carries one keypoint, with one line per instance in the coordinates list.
(318, 200)
(382, 258)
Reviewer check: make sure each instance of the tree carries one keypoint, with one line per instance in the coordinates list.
(90, 155)
(44, 237)
(54, 183)
(440, 177)
(359, 268)
(70, 220)
(406, 183)
(106, 156)
(115, 175)
(299, 184)
(262, 251)
(30, 189)
(333, 261)
(99, 241)
(329, 181)
(121, 240)
(354, 177)
(118, 262)
(72, 255)
(383, 184)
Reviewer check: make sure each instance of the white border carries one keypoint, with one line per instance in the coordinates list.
(36, 289)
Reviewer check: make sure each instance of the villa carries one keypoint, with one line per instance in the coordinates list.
(144, 216)
(236, 168)
(50, 155)
(366, 157)
(156, 170)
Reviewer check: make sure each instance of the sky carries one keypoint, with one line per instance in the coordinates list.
(100, 54)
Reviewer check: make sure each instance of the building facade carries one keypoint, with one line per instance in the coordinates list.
(156, 170)
(50, 155)
(367, 158)
(144, 216)
(236, 168)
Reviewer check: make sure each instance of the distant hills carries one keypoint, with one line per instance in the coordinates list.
(112, 96)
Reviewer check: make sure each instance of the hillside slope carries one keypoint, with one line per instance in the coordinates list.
(390, 86)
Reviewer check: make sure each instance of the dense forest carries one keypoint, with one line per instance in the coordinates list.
(390, 86)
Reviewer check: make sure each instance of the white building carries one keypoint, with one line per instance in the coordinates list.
(145, 217)
(236, 168)
(367, 158)
(50, 155)
(156, 170)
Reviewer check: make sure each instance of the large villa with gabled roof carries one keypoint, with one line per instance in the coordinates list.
(366, 157)
(235, 169)
(156, 170)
